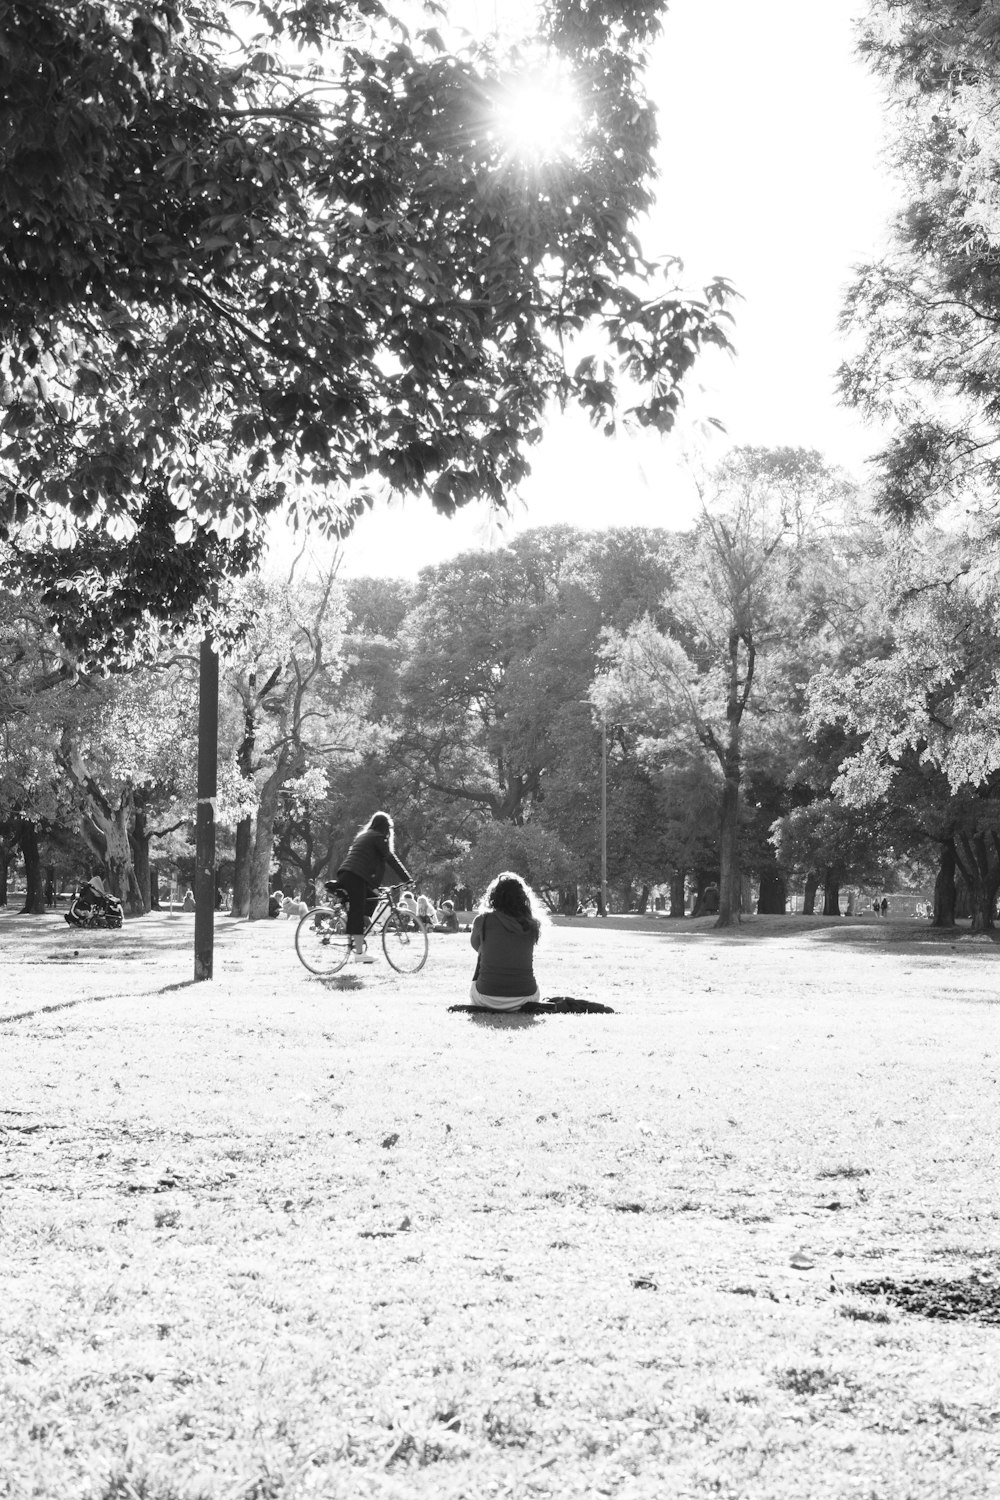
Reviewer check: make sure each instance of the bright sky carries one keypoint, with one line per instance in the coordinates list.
(771, 132)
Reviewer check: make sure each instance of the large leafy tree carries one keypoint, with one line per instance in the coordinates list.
(924, 710)
(500, 649)
(737, 603)
(282, 262)
(283, 672)
(927, 315)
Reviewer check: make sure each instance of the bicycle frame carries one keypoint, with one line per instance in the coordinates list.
(323, 945)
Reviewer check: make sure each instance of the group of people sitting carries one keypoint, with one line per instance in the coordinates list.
(423, 911)
(504, 933)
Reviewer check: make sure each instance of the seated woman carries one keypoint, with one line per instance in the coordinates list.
(504, 935)
(426, 915)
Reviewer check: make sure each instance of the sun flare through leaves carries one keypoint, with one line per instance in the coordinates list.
(538, 112)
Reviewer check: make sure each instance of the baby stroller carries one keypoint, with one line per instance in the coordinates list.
(93, 907)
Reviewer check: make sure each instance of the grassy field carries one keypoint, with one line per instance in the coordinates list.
(269, 1237)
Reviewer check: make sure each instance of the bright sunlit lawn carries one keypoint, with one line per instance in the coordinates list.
(270, 1237)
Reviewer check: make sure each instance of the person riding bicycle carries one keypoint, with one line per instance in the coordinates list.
(362, 871)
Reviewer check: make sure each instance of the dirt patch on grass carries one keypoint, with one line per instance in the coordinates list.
(975, 1296)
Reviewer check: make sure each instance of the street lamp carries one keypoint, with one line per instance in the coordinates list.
(604, 813)
(603, 907)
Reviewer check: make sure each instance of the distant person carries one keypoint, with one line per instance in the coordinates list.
(426, 914)
(447, 920)
(884, 906)
(188, 903)
(362, 871)
(504, 934)
(408, 905)
(876, 908)
(274, 901)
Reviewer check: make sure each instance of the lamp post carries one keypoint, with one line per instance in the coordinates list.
(603, 900)
(604, 814)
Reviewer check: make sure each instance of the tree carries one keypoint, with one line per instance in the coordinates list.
(284, 672)
(928, 314)
(113, 600)
(734, 603)
(126, 750)
(279, 265)
(925, 709)
(493, 717)
(830, 845)
(36, 679)
(529, 850)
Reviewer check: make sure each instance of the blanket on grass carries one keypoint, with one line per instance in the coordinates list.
(557, 1005)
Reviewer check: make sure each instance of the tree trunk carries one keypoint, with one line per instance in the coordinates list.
(34, 898)
(140, 863)
(963, 904)
(263, 843)
(154, 887)
(831, 894)
(677, 894)
(944, 887)
(809, 896)
(241, 868)
(6, 850)
(644, 901)
(729, 852)
(737, 696)
(973, 858)
(104, 827)
(107, 835)
(772, 898)
(244, 841)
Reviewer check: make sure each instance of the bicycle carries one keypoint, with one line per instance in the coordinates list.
(322, 943)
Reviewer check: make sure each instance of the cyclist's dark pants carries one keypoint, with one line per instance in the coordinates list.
(360, 901)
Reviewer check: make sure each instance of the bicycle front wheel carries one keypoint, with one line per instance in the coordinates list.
(321, 940)
(405, 944)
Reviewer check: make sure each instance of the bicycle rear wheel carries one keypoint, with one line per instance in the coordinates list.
(404, 943)
(321, 939)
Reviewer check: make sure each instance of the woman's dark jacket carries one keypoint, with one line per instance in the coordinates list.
(368, 856)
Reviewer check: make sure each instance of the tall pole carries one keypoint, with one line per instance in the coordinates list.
(604, 813)
(208, 761)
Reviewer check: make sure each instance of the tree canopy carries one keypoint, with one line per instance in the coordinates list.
(283, 263)
(927, 315)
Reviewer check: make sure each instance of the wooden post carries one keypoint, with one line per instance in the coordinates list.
(208, 761)
(604, 814)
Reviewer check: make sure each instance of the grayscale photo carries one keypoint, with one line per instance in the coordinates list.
(499, 749)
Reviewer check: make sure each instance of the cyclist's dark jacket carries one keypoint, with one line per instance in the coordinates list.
(368, 856)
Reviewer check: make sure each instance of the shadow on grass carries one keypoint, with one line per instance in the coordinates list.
(496, 1020)
(849, 932)
(341, 982)
(45, 1010)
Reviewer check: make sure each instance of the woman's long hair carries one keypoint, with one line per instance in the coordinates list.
(380, 822)
(509, 894)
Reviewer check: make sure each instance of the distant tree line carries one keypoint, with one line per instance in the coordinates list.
(785, 695)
